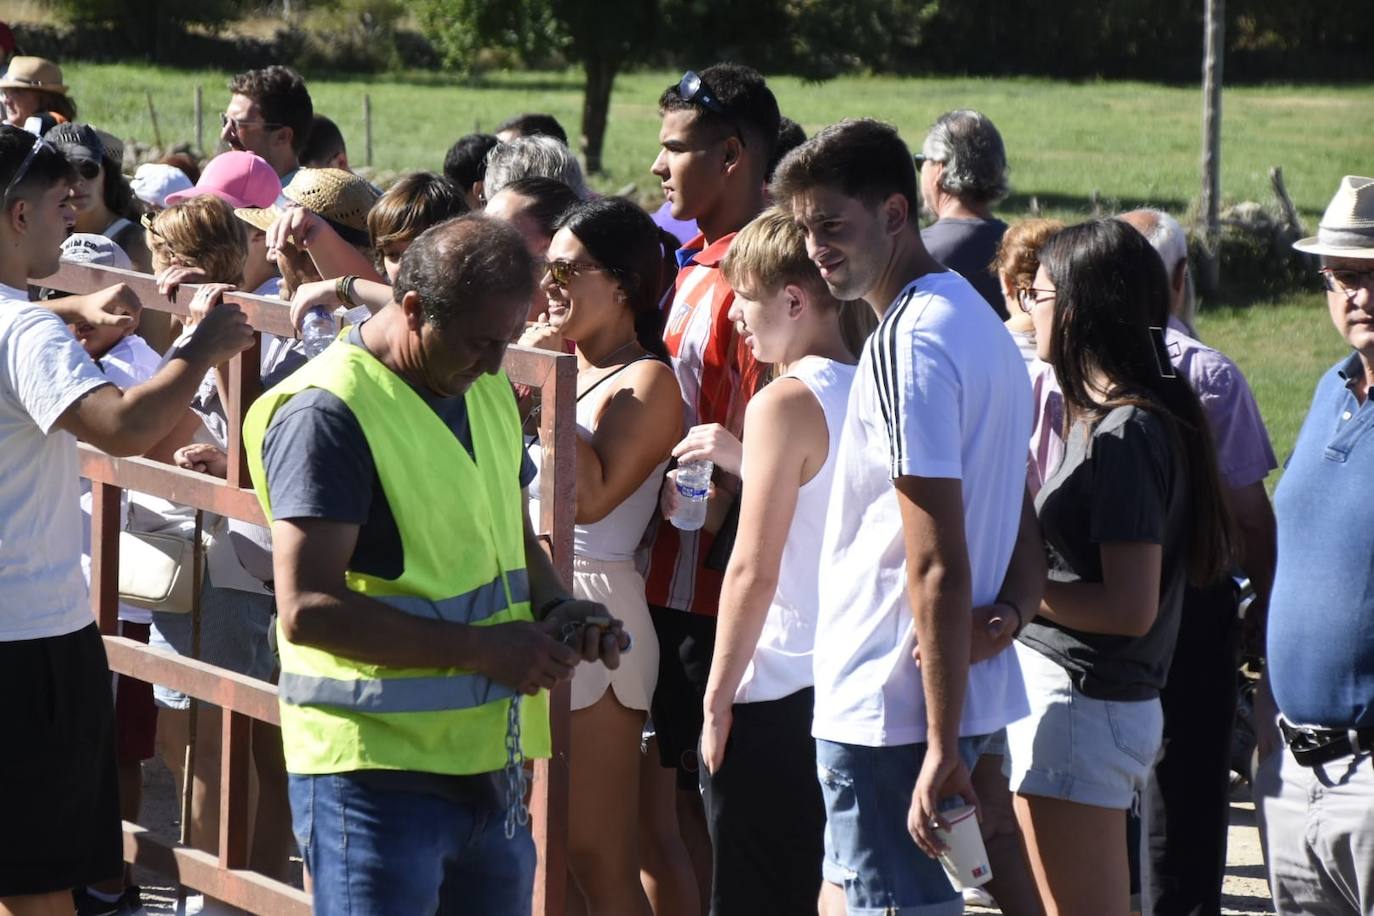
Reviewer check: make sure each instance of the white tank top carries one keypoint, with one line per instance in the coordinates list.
(782, 661)
(617, 536)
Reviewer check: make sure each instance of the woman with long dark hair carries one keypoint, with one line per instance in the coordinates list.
(606, 274)
(1133, 512)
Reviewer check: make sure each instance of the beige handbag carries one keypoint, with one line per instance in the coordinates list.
(156, 572)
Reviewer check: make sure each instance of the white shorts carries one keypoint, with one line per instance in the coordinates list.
(619, 586)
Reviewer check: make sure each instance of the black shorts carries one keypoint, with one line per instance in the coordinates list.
(765, 811)
(685, 644)
(57, 771)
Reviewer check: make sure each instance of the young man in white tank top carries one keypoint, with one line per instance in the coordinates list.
(763, 803)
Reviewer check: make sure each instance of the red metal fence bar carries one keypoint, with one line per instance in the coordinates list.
(243, 699)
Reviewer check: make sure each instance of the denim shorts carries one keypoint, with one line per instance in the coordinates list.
(381, 843)
(1076, 748)
(868, 850)
(233, 635)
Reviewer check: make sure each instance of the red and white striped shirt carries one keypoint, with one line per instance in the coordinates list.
(718, 376)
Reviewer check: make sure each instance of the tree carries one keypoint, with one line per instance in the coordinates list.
(816, 39)
(150, 26)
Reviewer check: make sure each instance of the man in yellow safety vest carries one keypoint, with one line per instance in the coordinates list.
(421, 623)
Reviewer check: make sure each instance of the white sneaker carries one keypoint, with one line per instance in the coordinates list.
(200, 905)
(976, 896)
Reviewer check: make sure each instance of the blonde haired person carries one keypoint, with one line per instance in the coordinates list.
(763, 803)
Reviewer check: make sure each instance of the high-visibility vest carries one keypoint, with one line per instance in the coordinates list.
(462, 539)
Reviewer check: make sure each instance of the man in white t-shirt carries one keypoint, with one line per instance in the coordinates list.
(61, 811)
(921, 547)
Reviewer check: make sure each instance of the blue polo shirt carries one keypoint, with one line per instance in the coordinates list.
(1321, 614)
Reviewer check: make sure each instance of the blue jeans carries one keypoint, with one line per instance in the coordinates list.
(868, 850)
(375, 849)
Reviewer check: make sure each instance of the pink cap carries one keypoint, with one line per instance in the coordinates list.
(239, 178)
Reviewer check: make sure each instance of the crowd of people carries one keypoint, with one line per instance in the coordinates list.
(979, 504)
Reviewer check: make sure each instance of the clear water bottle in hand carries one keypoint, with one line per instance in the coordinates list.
(317, 331)
(693, 482)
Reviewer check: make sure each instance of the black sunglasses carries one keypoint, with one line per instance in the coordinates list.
(693, 89)
(87, 169)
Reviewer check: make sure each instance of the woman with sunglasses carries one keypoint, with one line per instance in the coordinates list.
(1133, 511)
(105, 204)
(607, 272)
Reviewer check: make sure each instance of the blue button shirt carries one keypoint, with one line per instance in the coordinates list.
(1321, 614)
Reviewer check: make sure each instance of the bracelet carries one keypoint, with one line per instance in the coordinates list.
(1020, 618)
(343, 289)
(549, 606)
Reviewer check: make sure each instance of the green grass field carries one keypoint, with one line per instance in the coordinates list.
(1132, 143)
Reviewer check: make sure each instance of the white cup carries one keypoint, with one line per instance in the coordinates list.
(965, 859)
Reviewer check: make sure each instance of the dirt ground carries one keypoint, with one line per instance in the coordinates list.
(1245, 891)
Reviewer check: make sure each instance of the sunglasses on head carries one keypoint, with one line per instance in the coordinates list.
(19, 173)
(693, 89)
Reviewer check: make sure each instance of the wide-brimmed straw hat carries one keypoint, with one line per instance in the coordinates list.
(33, 73)
(1347, 226)
(341, 197)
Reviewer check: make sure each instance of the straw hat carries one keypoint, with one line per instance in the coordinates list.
(1347, 226)
(33, 73)
(341, 197)
(258, 217)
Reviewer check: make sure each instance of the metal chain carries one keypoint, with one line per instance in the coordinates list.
(517, 812)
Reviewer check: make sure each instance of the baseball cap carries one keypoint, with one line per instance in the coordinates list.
(154, 182)
(78, 142)
(89, 248)
(239, 178)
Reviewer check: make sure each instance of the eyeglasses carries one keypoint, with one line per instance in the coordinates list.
(240, 123)
(87, 169)
(563, 271)
(19, 173)
(1027, 297)
(147, 220)
(1347, 281)
(691, 88)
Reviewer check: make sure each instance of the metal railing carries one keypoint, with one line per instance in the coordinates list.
(225, 875)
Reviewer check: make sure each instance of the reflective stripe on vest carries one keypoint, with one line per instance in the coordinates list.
(470, 607)
(393, 694)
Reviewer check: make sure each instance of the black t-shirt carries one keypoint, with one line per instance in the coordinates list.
(968, 246)
(319, 465)
(1123, 483)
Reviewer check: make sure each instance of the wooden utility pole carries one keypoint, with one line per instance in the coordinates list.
(1214, 45)
(367, 129)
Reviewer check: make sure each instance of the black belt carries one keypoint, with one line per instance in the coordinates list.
(1314, 746)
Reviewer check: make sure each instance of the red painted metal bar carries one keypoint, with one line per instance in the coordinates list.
(233, 785)
(217, 686)
(186, 488)
(201, 870)
(264, 314)
(557, 383)
(105, 518)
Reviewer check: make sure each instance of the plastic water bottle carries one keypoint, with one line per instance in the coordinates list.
(317, 331)
(693, 482)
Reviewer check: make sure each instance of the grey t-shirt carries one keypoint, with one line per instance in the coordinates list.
(319, 465)
(968, 246)
(1123, 482)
